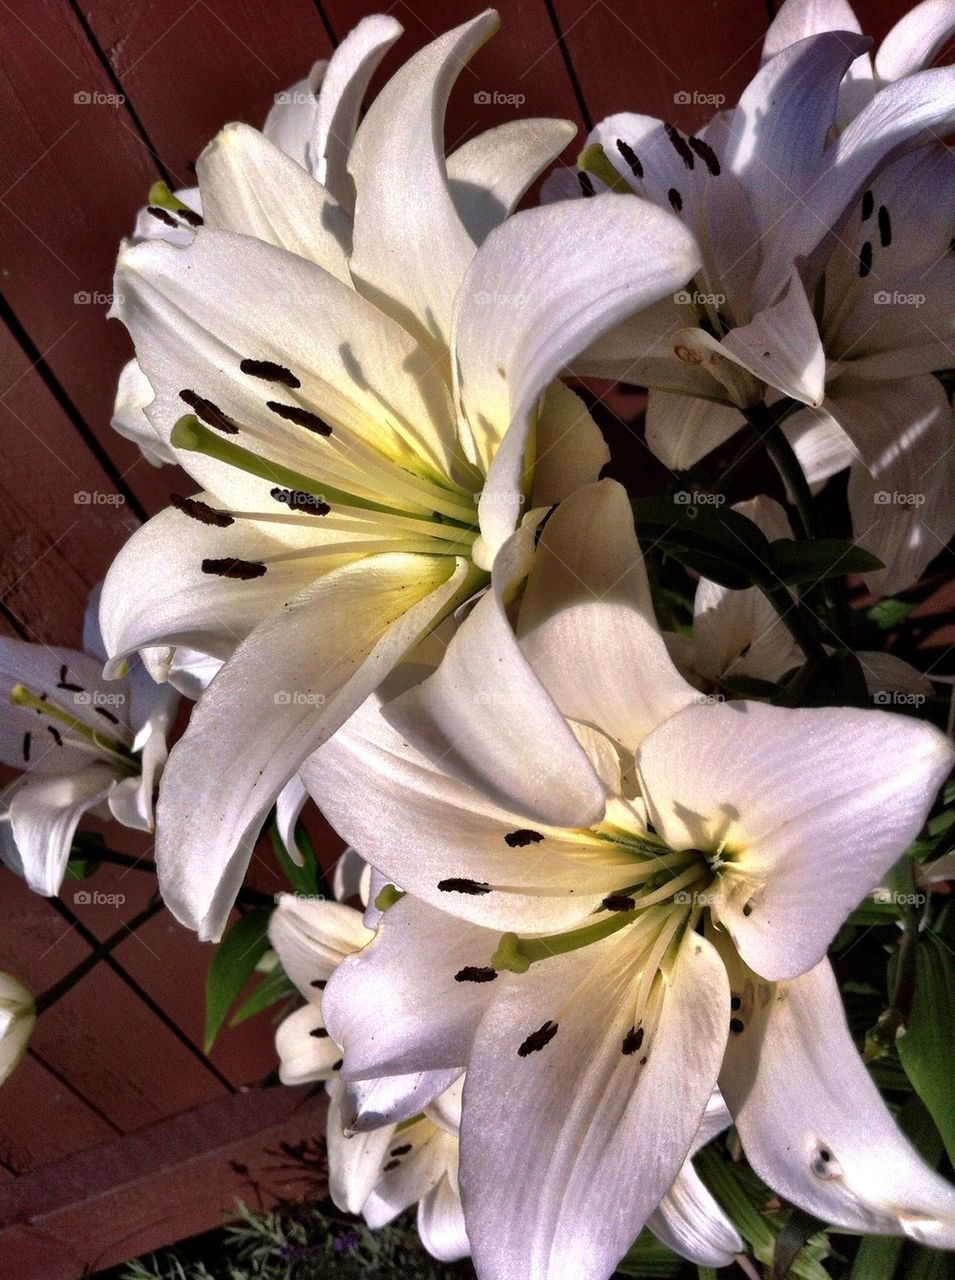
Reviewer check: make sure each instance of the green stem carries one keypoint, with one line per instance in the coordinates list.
(768, 423)
(69, 980)
(797, 619)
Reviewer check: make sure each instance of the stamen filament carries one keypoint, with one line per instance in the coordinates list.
(190, 434)
(21, 696)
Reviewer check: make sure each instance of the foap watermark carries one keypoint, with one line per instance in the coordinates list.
(694, 98)
(489, 698)
(299, 897)
(494, 298)
(896, 698)
(298, 698)
(889, 896)
(492, 499)
(695, 899)
(693, 298)
(494, 98)
(96, 898)
(709, 699)
(97, 498)
(95, 298)
(300, 501)
(893, 498)
(295, 98)
(94, 98)
(698, 498)
(896, 299)
(97, 698)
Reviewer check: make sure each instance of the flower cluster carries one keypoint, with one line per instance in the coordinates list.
(615, 770)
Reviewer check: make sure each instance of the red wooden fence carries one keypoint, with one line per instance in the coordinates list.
(97, 100)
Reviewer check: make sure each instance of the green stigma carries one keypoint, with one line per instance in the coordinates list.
(161, 196)
(387, 896)
(594, 160)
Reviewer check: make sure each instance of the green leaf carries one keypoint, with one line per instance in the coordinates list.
(740, 1193)
(877, 1256)
(799, 562)
(751, 687)
(235, 958)
(302, 879)
(835, 680)
(276, 986)
(888, 614)
(927, 1049)
(799, 1229)
(720, 544)
(82, 868)
(649, 1258)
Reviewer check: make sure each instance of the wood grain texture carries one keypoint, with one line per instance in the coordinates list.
(131, 1195)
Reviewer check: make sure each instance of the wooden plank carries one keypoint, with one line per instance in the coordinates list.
(131, 1195)
(678, 62)
(78, 172)
(62, 519)
(190, 67)
(42, 1118)
(101, 1037)
(168, 961)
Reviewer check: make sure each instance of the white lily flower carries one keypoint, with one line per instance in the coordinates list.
(356, 418)
(83, 745)
(375, 1170)
(740, 633)
(827, 276)
(599, 948)
(17, 1020)
(379, 1169)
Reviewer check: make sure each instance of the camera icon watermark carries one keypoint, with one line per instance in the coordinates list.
(693, 298)
(295, 98)
(884, 298)
(96, 498)
(887, 896)
(94, 98)
(893, 498)
(895, 698)
(693, 98)
(97, 698)
(95, 298)
(698, 498)
(486, 98)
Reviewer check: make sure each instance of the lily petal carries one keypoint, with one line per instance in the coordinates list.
(209, 821)
(543, 286)
(566, 1203)
(915, 39)
(489, 174)
(44, 812)
(587, 626)
(355, 1160)
(813, 1123)
(810, 807)
(531, 763)
(252, 188)
(411, 255)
